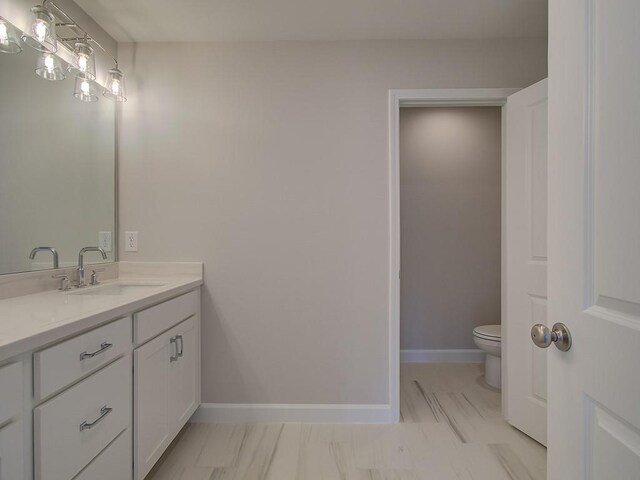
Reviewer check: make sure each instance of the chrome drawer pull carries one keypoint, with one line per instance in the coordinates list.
(103, 348)
(181, 352)
(104, 411)
(175, 357)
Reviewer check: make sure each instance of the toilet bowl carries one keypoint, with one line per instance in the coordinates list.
(489, 339)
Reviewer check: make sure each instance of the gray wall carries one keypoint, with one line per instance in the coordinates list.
(450, 195)
(269, 162)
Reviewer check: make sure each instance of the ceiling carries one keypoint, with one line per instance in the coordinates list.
(264, 20)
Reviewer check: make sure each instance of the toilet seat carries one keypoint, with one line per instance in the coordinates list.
(492, 333)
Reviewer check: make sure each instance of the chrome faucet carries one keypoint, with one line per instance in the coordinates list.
(84, 250)
(32, 255)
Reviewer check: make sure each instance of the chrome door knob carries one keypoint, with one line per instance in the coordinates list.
(559, 335)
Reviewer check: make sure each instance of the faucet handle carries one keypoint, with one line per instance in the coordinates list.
(65, 283)
(94, 276)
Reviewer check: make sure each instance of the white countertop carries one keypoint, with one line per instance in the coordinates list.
(30, 322)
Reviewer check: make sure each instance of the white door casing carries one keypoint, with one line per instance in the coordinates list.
(480, 97)
(525, 282)
(594, 239)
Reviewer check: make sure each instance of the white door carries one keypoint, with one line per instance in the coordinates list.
(525, 283)
(594, 239)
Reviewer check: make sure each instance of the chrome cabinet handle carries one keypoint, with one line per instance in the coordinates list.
(104, 411)
(181, 352)
(559, 335)
(104, 346)
(174, 340)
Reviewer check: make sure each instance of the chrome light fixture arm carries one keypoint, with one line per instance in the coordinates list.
(82, 34)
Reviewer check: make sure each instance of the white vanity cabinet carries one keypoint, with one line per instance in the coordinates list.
(11, 428)
(103, 403)
(86, 385)
(166, 376)
(71, 429)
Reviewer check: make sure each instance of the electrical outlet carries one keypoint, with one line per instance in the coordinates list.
(130, 241)
(104, 241)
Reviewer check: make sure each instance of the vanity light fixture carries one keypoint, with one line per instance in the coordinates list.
(9, 41)
(85, 90)
(49, 67)
(115, 88)
(85, 60)
(42, 33)
(42, 37)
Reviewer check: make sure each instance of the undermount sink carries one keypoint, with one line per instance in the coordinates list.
(118, 289)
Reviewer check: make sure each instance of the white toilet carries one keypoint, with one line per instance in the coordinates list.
(489, 339)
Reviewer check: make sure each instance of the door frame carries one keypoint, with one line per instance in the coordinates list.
(463, 97)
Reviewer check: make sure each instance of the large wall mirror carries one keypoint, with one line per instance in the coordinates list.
(57, 169)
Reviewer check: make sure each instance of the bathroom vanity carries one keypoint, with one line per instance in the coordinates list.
(99, 363)
(96, 382)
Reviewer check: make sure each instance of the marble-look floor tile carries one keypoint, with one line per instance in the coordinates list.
(285, 462)
(452, 429)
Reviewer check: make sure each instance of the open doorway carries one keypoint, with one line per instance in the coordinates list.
(450, 231)
(452, 141)
(450, 256)
(448, 211)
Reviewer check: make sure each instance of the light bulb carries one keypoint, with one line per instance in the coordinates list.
(82, 63)
(49, 63)
(40, 29)
(85, 87)
(9, 42)
(41, 34)
(115, 87)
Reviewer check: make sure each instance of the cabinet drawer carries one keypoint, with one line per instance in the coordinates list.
(155, 320)
(72, 428)
(64, 363)
(10, 391)
(114, 463)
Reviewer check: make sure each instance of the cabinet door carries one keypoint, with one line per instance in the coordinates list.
(152, 432)
(184, 375)
(11, 452)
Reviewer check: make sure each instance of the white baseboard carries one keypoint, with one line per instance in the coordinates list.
(442, 356)
(290, 413)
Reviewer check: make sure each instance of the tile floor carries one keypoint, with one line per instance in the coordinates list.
(452, 429)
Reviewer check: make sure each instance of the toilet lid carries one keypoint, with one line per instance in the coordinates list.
(490, 332)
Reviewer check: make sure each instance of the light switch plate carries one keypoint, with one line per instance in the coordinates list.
(104, 241)
(130, 241)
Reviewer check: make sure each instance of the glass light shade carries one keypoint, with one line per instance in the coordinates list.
(42, 34)
(85, 62)
(49, 67)
(9, 41)
(114, 86)
(85, 90)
